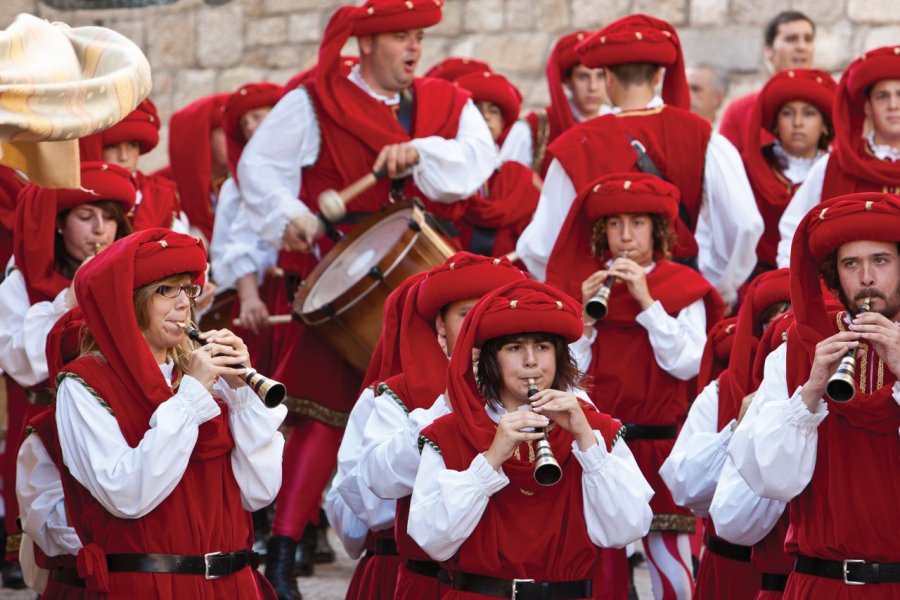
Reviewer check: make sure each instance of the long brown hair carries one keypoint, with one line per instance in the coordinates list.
(142, 297)
(489, 375)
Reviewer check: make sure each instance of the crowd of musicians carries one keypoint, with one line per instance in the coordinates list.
(649, 330)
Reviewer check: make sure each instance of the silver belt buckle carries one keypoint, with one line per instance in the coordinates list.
(210, 555)
(515, 583)
(853, 561)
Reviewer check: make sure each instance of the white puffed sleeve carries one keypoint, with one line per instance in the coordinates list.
(729, 225)
(807, 196)
(518, 145)
(130, 482)
(691, 471)
(450, 170)
(349, 529)
(740, 516)
(258, 445)
(42, 508)
(24, 328)
(536, 242)
(775, 448)
(615, 494)
(677, 342)
(374, 512)
(391, 455)
(447, 505)
(286, 142)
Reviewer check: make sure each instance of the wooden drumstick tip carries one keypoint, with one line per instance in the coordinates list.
(332, 206)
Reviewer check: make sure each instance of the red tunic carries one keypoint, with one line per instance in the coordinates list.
(674, 139)
(202, 514)
(848, 510)
(506, 209)
(648, 395)
(525, 532)
(838, 181)
(160, 204)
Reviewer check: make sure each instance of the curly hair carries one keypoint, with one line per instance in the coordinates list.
(664, 237)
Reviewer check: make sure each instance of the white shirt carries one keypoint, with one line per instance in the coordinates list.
(805, 198)
(374, 512)
(24, 328)
(131, 482)
(728, 228)
(691, 471)
(447, 505)
(739, 515)
(449, 170)
(236, 249)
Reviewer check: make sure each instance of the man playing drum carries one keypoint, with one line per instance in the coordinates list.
(326, 134)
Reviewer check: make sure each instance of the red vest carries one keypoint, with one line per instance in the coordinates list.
(511, 200)
(202, 514)
(849, 508)
(541, 535)
(674, 139)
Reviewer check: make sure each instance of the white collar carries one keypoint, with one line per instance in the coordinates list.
(167, 369)
(796, 168)
(605, 109)
(882, 151)
(356, 77)
(656, 102)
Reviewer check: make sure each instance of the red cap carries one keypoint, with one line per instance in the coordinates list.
(809, 85)
(386, 16)
(454, 67)
(716, 352)
(491, 87)
(190, 157)
(246, 98)
(140, 125)
(866, 216)
(33, 236)
(641, 39)
(850, 147)
(571, 260)
(529, 306)
(562, 58)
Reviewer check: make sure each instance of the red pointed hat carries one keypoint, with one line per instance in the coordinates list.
(865, 216)
(571, 260)
(486, 86)
(636, 39)
(455, 67)
(385, 16)
(850, 146)
(140, 125)
(717, 351)
(562, 58)
(33, 236)
(190, 157)
(246, 98)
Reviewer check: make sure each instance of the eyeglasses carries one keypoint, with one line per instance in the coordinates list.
(171, 291)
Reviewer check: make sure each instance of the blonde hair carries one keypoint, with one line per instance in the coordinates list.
(141, 298)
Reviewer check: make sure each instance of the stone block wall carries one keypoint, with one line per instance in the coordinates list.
(195, 49)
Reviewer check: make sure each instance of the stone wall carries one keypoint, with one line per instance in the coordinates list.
(196, 49)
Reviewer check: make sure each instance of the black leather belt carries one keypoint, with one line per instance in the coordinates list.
(211, 566)
(426, 568)
(853, 571)
(522, 589)
(773, 582)
(727, 549)
(383, 547)
(633, 431)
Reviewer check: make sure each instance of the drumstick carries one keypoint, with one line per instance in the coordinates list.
(333, 203)
(511, 256)
(271, 320)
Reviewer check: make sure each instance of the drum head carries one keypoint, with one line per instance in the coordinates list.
(357, 260)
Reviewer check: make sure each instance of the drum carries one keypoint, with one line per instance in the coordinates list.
(220, 312)
(343, 298)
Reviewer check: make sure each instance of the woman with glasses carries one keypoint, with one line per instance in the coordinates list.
(162, 449)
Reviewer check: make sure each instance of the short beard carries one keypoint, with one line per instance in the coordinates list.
(891, 305)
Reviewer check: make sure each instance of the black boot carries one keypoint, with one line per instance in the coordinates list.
(306, 552)
(324, 551)
(280, 567)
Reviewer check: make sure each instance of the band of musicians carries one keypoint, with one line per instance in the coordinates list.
(487, 352)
